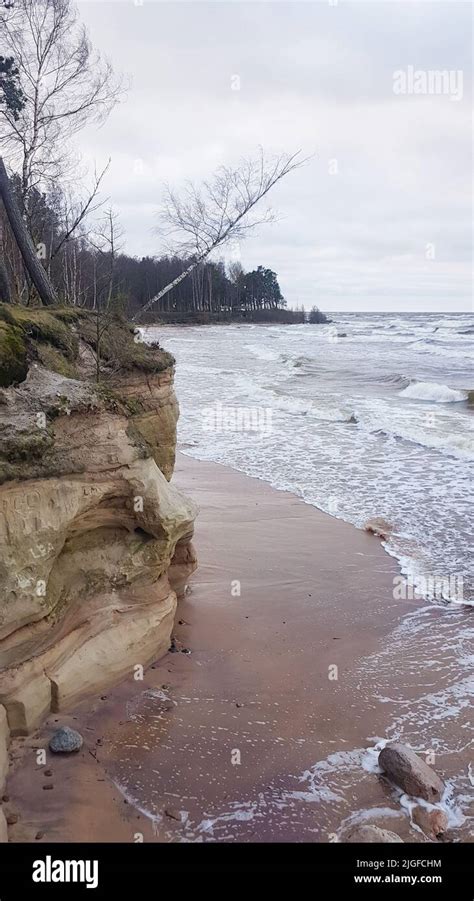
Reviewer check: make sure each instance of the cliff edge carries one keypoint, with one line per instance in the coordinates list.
(94, 540)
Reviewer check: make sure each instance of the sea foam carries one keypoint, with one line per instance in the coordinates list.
(433, 392)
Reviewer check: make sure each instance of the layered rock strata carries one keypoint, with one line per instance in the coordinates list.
(94, 540)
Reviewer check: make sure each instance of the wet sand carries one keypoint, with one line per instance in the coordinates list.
(260, 732)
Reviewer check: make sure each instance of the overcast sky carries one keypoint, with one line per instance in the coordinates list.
(386, 226)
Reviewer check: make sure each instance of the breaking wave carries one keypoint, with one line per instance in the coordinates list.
(431, 391)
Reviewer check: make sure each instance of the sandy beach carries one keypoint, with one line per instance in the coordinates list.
(260, 732)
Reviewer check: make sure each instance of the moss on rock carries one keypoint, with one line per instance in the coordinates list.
(13, 357)
(43, 325)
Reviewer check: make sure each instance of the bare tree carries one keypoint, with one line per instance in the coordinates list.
(222, 210)
(64, 83)
(74, 212)
(107, 243)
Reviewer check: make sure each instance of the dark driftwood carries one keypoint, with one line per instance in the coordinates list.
(25, 245)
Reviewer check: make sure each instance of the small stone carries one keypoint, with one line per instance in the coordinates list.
(65, 741)
(173, 813)
(12, 818)
(239, 705)
(47, 773)
(39, 835)
(48, 786)
(5, 799)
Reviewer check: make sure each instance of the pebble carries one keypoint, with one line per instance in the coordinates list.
(65, 741)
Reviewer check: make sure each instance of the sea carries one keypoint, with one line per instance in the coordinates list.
(367, 417)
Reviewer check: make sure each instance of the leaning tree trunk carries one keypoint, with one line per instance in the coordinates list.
(169, 287)
(5, 294)
(32, 264)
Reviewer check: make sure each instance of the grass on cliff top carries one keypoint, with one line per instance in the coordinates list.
(119, 348)
(52, 337)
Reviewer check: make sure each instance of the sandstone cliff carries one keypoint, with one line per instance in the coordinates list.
(94, 541)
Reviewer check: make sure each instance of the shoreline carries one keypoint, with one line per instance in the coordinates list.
(243, 738)
(223, 322)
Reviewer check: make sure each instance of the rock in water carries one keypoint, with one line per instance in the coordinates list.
(378, 526)
(433, 822)
(370, 833)
(65, 741)
(410, 772)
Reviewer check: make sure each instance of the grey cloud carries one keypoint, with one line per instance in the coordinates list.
(312, 76)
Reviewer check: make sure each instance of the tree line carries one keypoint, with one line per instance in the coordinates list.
(61, 243)
(91, 270)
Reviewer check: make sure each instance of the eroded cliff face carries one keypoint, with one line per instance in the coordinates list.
(94, 540)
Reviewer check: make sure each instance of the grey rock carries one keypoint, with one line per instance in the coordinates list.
(410, 772)
(65, 741)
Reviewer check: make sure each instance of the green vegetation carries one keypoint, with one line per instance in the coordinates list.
(52, 337)
(52, 359)
(43, 326)
(119, 347)
(13, 362)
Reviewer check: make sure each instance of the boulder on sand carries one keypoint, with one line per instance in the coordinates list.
(410, 772)
(369, 833)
